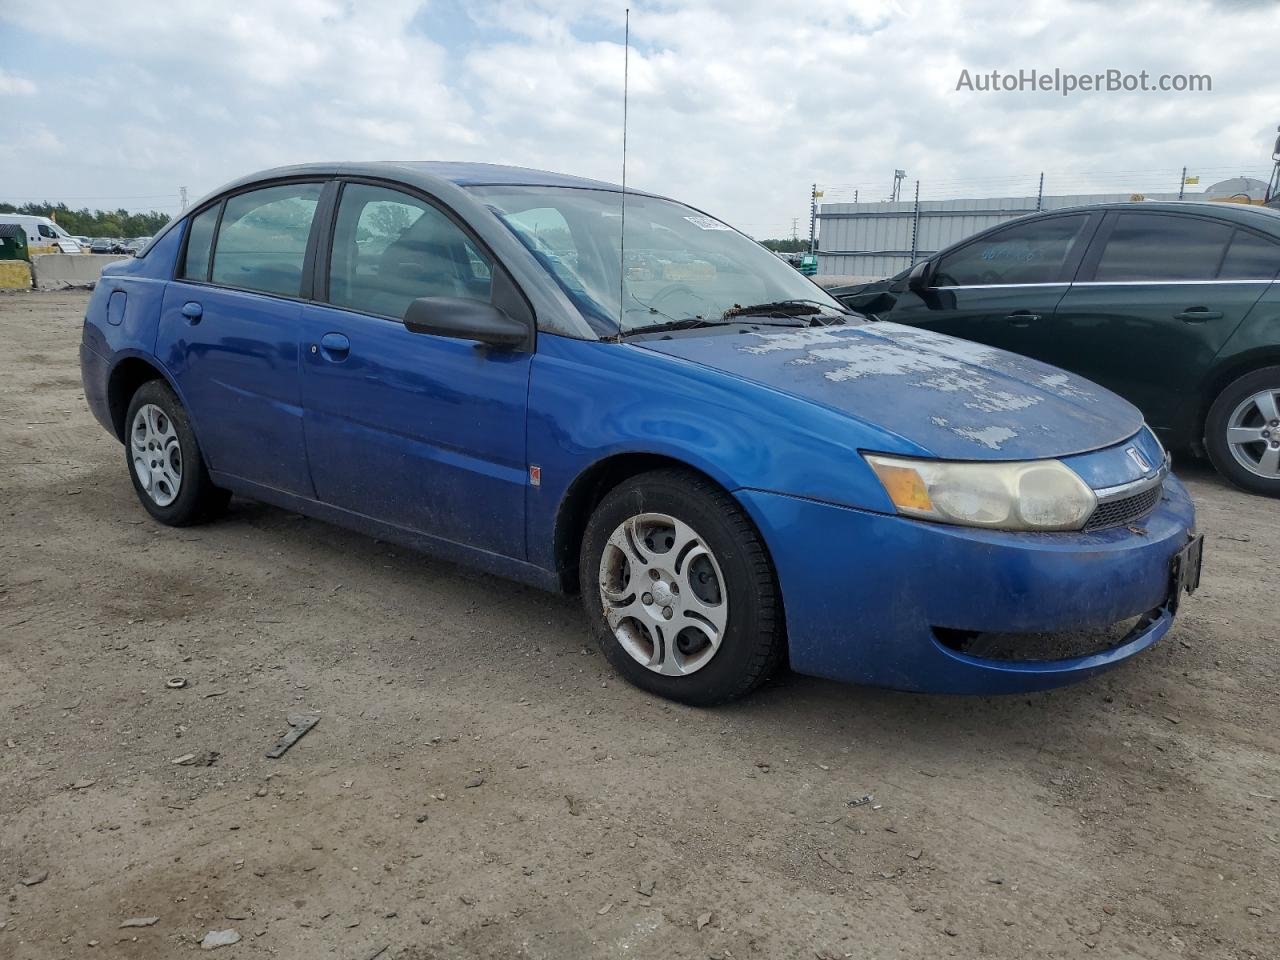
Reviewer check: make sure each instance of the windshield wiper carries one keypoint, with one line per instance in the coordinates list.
(693, 323)
(797, 307)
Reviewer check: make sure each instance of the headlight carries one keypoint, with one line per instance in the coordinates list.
(1031, 495)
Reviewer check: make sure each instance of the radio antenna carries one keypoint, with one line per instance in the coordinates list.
(622, 239)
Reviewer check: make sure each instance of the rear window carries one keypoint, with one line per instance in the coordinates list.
(199, 244)
(1149, 246)
(262, 240)
(1250, 257)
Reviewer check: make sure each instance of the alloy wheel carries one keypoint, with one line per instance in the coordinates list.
(663, 594)
(156, 454)
(1253, 434)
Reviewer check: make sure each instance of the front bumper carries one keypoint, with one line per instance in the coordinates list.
(864, 592)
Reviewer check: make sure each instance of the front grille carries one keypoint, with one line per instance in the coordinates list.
(1114, 513)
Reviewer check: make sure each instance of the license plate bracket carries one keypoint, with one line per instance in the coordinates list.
(1186, 571)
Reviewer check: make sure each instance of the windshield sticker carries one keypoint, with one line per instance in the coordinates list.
(708, 223)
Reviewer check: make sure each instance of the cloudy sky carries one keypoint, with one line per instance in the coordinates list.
(736, 105)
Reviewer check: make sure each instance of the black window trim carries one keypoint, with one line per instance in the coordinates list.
(324, 251)
(1066, 272)
(1088, 272)
(306, 287)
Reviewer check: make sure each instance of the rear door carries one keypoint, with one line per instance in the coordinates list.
(230, 327)
(421, 431)
(1001, 288)
(1157, 296)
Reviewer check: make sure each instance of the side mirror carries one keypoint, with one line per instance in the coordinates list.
(919, 277)
(464, 319)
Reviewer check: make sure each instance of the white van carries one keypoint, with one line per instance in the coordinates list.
(43, 235)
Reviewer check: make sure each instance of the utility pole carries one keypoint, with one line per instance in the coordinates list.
(813, 217)
(182, 194)
(1182, 184)
(795, 229)
(898, 177)
(1040, 193)
(915, 225)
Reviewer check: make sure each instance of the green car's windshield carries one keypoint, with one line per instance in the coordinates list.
(681, 265)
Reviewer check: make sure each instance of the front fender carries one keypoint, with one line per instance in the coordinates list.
(592, 400)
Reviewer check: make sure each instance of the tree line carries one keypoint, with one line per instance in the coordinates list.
(93, 223)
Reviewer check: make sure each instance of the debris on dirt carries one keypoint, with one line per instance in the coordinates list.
(998, 879)
(213, 693)
(645, 887)
(176, 683)
(830, 860)
(219, 938)
(35, 878)
(704, 919)
(915, 854)
(83, 784)
(377, 952)
(299, 723)
(1172, 719)
(605, 909)
(474, 782)
(206, 759)
(862, 800)
(140, 922)
(574, 805)
(1255, 911)
(422, 818)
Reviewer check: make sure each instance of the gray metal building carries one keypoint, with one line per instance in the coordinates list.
(867, 241)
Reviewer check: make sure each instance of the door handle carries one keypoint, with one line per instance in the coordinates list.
(1198, 315)
(335, 347)
(192, 311)
(1022, 318)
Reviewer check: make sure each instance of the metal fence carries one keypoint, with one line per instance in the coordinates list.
(878, 239)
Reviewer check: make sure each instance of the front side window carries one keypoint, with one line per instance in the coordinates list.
(1023, 253)
(1250, 257)
(46, 231)
(262, 241)
(680, 263)
(390, 248)
(200, 244)
(1149, 246)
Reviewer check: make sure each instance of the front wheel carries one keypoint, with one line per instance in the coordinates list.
(679, 590)
(1242, 432)
(164, 461)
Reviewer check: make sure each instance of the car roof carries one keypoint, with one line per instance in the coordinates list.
(1261, 218)
(429, 173)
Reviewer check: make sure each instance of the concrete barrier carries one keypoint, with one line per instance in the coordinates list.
(59, 271)
(15, 275)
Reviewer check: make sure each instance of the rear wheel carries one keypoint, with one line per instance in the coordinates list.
(679, 590)
(164, 461)
(1242, 432)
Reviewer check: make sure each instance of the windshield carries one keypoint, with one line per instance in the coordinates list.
(680, 263)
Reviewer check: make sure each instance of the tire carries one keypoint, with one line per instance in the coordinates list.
(1246, 408)
(164, 460)
(712, 629)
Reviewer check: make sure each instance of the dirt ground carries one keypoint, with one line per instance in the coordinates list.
(480, 785)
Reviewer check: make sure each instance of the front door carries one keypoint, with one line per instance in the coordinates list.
(1002, 288)
(229, 332)
(424, 432)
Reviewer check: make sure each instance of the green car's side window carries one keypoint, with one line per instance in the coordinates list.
(1250, 257)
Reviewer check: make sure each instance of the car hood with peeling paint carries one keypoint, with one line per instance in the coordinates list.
(958, 400)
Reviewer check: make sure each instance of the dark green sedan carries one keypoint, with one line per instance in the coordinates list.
(1171, 305)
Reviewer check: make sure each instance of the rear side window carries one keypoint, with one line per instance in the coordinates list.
(199, 244)
(262, 240)
(1250, 257)
(1148, 246)
(389, 248)
(1024, 253)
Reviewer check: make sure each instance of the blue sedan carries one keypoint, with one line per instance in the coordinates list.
(619, 395)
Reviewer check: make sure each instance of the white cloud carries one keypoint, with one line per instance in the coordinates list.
(735, 106)
(12, 84)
